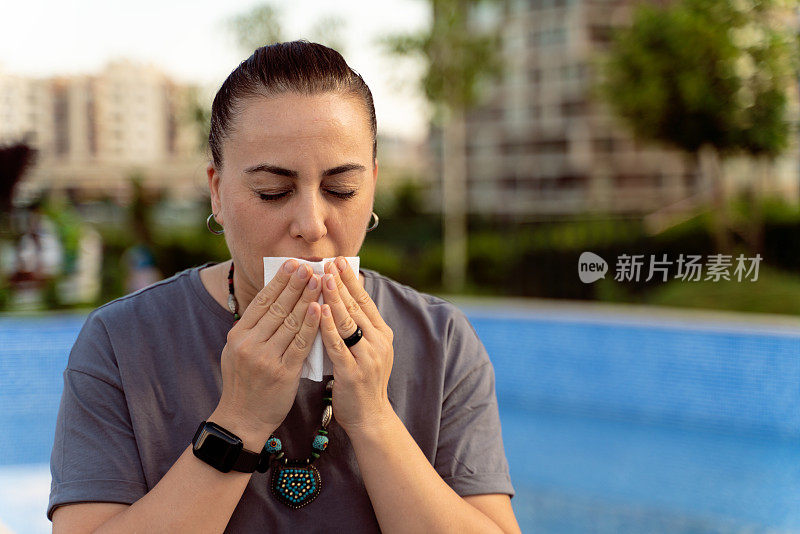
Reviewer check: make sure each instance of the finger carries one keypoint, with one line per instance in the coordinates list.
(352, 306)
(264, 298)
(345, 319)
(359, 294)
(279, 310)
(301, 343)
(338, 352)
(293, 323)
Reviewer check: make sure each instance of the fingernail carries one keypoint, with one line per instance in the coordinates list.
(333, 268)
(326, 310)
(311, 311)
(342, 264)
(301, 272)
(312, 284)
(329, 281)
(289, 266)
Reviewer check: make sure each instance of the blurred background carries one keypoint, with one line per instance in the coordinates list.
(513, 136)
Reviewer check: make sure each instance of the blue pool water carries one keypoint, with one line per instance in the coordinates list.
(610, 424)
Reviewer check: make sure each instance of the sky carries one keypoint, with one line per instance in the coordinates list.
(189, 41)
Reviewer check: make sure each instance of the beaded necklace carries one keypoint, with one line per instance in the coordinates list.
(294, 482)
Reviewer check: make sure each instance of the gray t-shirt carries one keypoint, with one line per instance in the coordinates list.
(145, 371)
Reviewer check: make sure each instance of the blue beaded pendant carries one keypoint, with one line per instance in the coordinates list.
(295, 485)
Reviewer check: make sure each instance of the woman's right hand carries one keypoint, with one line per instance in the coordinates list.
(264, 354)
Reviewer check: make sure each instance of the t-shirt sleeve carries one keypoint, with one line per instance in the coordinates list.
(95, 457)
(470, 456)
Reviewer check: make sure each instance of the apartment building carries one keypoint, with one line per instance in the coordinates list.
(26, 110)
(542, 143)
(92, 132)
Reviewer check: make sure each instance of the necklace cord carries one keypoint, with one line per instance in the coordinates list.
(294, 482)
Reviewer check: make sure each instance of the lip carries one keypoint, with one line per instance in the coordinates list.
(311, 258)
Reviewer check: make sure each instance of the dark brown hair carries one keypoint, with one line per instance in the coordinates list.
(295, 66)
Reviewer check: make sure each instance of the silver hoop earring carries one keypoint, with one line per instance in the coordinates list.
(373, 226)
(208, 225)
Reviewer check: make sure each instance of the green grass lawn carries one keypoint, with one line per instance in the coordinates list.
(773, 292)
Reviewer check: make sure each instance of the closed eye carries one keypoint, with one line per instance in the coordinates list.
(278, 196)
(348, 194)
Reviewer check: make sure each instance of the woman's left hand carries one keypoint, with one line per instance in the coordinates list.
(361, 372)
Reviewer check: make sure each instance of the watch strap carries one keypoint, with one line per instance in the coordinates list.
(246, 462)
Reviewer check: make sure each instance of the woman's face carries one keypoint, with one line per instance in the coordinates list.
(297, 180)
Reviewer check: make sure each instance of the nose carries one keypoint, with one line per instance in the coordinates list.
(308, 217)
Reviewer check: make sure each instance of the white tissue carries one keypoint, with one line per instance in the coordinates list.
(317, 363)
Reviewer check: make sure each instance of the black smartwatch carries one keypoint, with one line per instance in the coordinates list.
(225, 451)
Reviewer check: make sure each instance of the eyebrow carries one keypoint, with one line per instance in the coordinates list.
(274, 169)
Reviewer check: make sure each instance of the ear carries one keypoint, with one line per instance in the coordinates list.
(375, 175)
(213, 187)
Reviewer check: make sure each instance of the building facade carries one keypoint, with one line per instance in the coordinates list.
(542, 143)
(93, 132)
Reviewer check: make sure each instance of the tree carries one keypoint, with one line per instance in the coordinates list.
(141, 209)
(328, 31)
(253, 29)
(257, 27)
(459, 55)
(705, 74)
(262, 25)
(14, 160)
(199, 114)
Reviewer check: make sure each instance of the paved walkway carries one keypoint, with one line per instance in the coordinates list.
(593, 309)
(24, 493)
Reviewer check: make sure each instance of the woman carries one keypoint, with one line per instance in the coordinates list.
(414, 444)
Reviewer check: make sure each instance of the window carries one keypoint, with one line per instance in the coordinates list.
(601, 33)
(573, 108)
(548, 36)
(631, 180)
(508, 183)
(551, 145)
(573, 72)
(572, 181)
(603, 144)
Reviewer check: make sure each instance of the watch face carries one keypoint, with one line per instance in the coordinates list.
(217, 447)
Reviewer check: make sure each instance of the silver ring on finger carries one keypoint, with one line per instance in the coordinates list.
(355, 338)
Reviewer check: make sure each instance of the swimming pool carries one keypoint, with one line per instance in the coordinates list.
(611, 423)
